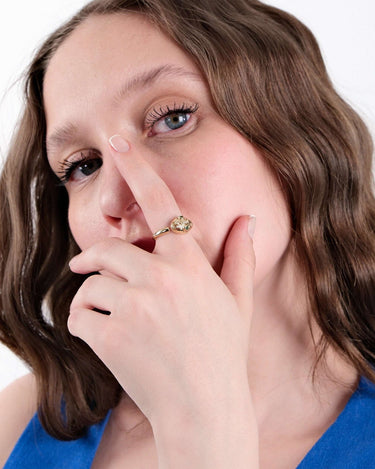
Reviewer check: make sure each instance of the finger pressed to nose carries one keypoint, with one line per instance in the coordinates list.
(158, 204)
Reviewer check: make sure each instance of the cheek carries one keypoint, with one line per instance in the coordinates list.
(213, 182)
(75, 225)
(216, 182)
(84, 224)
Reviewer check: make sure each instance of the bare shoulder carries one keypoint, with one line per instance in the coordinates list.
(18, 403)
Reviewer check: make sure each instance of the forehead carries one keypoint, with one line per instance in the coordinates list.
(105, 50)
(109, 38)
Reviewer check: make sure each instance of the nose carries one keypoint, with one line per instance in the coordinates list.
(115, 197)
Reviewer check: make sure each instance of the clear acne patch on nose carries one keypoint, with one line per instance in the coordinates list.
(119, 144)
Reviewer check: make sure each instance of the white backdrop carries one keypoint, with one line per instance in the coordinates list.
(344, 29)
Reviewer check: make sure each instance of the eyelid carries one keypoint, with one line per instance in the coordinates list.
(159, 111)
(70, 163)
(78, 155)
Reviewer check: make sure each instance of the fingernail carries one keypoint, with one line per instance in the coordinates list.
(251, 226)
(119, 144)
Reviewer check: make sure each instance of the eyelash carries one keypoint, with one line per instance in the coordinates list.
(157, 114)
(164, 111)
(68, 167)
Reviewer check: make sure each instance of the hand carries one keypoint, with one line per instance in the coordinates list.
(177, 338)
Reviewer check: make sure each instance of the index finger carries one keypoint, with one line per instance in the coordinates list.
(154, 197)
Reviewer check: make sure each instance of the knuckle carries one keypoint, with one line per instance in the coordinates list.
(83, 293)
(73, 322)
(89, 284)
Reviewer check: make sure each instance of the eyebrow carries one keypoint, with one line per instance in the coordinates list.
(146, 79)
(68, 133)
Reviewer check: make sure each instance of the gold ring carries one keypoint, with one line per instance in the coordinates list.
(179, 225)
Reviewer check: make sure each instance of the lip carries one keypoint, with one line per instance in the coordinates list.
(147, 244)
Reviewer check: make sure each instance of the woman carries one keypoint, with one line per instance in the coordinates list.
(138, 112)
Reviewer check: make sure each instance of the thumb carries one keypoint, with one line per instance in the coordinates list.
(239, 262)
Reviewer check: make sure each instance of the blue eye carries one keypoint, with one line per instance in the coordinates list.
(166, 119)
(172, 122)
(175, 121)
(81, 168)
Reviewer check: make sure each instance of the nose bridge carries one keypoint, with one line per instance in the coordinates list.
(115, 196)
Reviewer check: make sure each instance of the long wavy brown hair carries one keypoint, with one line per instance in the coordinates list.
(268, 80)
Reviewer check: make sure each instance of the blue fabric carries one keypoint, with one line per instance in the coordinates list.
(349, 443)
(36, 449)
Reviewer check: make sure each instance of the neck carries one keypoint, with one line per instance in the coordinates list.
(282, 364)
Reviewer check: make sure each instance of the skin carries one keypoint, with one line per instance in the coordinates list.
(191, 313)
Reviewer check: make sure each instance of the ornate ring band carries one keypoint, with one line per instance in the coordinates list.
(179, 225)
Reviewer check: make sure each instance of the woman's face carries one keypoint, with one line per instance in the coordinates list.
(118, 74)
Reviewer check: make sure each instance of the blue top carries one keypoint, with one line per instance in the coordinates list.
(36, 449)
(348, 443)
